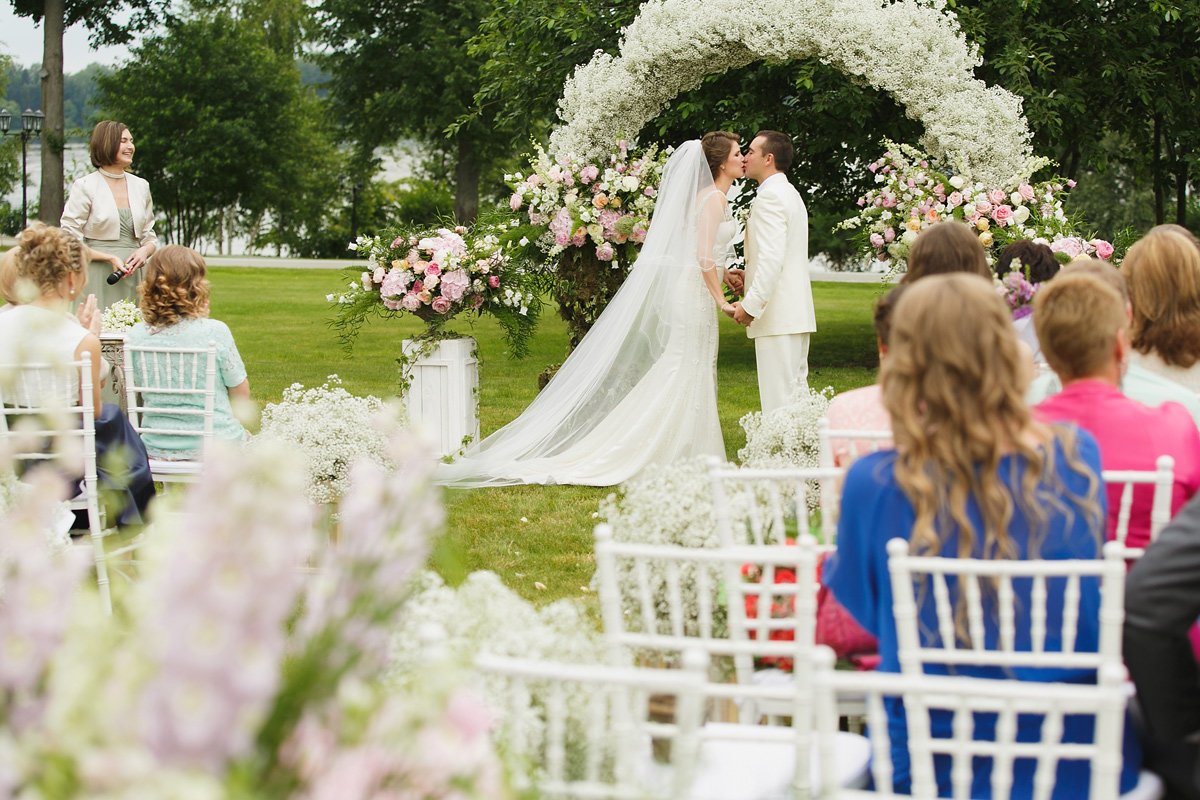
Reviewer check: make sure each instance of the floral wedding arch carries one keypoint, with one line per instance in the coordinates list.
(911, 49)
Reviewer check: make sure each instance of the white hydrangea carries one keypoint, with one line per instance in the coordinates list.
(911, 49)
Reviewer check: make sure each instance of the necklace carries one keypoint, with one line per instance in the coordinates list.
(120, 176)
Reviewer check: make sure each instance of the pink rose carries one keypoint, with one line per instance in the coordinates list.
(417, 287)
(433, 269)
(440, 304)
(997, 196)
(889, 201)
(1104, 250)
(494, 281)
(477, 301)
(1002, 214)
(954, 200)
(605, 252)
(983, 207)
(889, 235)
(1026, 192)
(514, 202)
(876, 241)
(411, 301)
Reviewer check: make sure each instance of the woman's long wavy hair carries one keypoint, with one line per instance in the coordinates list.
(954, 383)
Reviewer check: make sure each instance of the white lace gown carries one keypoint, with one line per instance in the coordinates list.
(640, 389)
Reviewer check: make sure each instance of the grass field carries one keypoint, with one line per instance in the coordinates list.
(281, 323)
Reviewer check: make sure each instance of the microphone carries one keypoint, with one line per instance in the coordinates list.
(116, 275)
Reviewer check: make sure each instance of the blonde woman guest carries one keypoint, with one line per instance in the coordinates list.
(1082, 325)
(112, 211)
(1163, 273)
(972, 475)
(43, 329)
(174, 304)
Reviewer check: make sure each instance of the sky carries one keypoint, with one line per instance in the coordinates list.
(21, 39)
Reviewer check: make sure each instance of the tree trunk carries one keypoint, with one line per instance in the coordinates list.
(466, 182)
(51, 198)
(1156, 167)
(1181, 198)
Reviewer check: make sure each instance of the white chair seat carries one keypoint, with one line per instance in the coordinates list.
(732, 767)
(160, 466)
(1149, 787)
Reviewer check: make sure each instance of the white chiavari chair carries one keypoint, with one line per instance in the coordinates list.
(176, 385)
(856, 443)
(771, 505)
(1162, 478)
(48, 417)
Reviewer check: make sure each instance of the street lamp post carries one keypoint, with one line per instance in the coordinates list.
(31, 125)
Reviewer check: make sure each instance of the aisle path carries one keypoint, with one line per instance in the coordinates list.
(268, 262)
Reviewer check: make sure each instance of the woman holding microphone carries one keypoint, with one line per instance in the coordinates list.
(112, 212)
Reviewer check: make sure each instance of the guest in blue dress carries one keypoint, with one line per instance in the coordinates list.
(174, 305)
(972, 475)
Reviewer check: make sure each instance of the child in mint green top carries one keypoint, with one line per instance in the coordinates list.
(174, 304)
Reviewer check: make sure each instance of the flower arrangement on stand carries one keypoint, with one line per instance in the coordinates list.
(120, 316)
(230, 670)
(436, 275)
(914, 192)
(331, 428)
(585, 220)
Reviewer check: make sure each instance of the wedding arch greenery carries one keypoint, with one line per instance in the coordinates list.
(911, 49)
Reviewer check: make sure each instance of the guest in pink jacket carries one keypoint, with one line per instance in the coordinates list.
(1082, 325)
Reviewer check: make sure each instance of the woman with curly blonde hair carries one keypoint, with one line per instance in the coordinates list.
(973, 475)
(174, 304)
(1162, 270)
(49, 264)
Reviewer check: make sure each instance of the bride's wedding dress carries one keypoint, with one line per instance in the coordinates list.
(640, 388)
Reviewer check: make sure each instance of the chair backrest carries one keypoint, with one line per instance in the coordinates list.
(857, 442)
(1162, 477)
(1022, 626)
(987, 709)
(573, 730)
(171, 385)
(48, 419)
(772, 505)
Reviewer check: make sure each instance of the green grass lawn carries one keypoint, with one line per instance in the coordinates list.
(281, 323)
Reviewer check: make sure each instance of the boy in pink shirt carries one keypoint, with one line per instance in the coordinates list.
(1082, 324)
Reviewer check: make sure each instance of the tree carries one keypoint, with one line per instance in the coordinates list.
(404, 69)
(10, 172)
(101, 18)
(226, 134)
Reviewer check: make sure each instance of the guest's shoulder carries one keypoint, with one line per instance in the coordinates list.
(137, 334)
(1070, 440)
(871, 474)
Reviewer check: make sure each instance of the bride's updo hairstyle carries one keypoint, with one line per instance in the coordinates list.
(944, 247)
(954, 384)
(174, 287)
(715, 145)
(44, 255)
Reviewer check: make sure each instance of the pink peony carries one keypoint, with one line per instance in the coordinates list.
(1070, 245)
(605, 252)
(494, 281)
(411, 301)
(876, 241)
(1104, 250)
(1002, 214)
(889, 235)
(393, 284)
(1026, 191)
(954, 200)
(588, 174)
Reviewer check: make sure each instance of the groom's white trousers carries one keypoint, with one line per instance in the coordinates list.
(782, 367)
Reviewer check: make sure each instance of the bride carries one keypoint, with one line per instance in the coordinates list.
(641, 387)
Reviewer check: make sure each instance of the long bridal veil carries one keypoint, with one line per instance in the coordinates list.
(608, 384)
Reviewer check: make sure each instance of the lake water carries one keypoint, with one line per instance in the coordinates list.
(397, 163)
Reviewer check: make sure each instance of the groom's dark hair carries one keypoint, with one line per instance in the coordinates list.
(779, 145)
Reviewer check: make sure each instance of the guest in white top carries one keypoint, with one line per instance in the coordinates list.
(112, 211)
(44, 331)
(1163, 273)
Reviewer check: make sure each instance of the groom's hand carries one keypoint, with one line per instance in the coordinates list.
(740, 316)
(736, 279)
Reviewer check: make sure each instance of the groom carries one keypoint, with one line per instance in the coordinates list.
(777, 305)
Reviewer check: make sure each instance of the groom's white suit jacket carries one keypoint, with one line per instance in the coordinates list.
(778, 292)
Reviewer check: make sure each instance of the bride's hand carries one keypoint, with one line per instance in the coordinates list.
(727, 309)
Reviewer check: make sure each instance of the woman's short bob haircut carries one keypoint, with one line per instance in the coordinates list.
(105, 142)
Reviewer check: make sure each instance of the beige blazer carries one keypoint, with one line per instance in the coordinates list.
(91, 210)
(778, 291)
